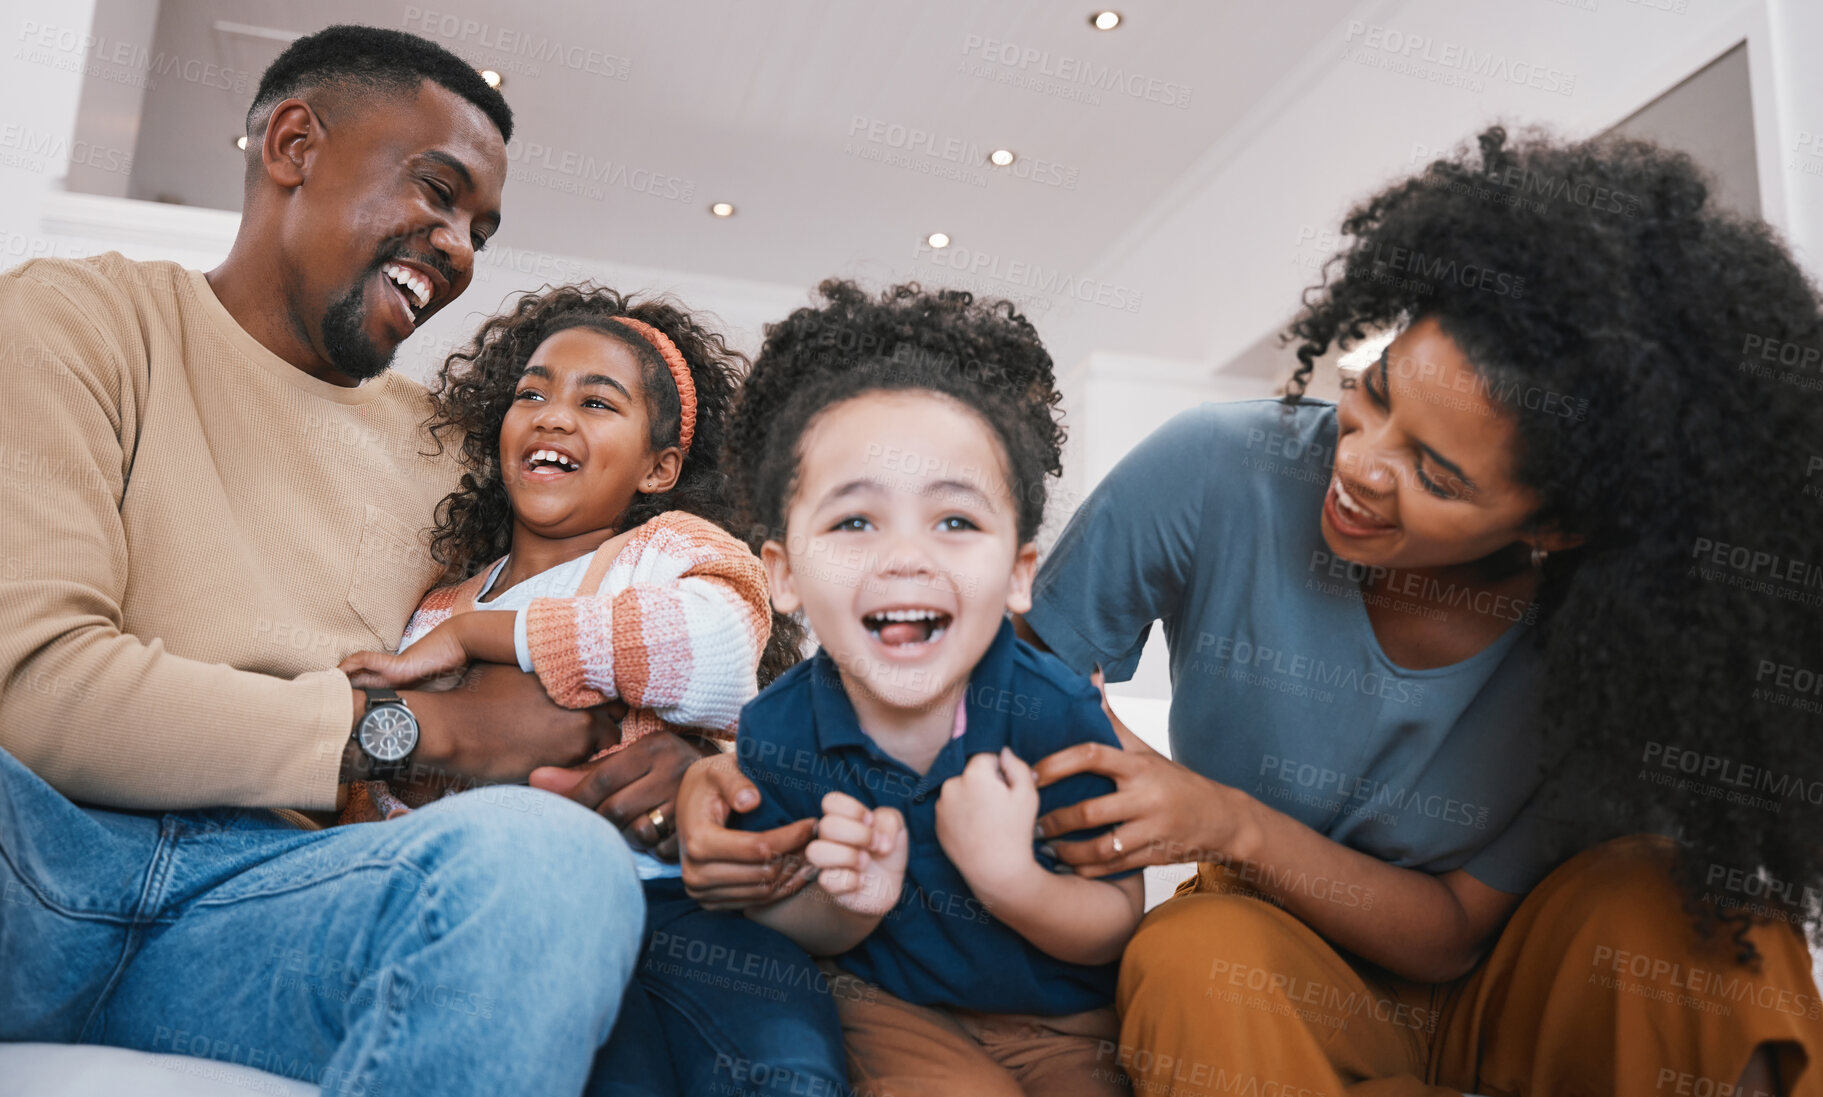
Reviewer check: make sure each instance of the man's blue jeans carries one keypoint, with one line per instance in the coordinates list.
(480, 945)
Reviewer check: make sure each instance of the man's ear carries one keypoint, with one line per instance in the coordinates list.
(667, 466)
(1019, 587)
(778, 577)
(292, 132)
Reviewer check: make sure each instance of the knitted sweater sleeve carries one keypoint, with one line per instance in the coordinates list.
(677, 627)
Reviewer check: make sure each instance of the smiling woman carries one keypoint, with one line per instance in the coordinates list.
(1431, 641)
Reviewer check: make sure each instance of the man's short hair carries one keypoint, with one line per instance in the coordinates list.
(374, 60)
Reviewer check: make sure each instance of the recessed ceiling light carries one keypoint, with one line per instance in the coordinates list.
(1000, 158)
(938, 239)
(492, 78)
(241, 142)
(722, 209)
(1105, 20)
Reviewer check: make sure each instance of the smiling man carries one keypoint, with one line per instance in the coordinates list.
(214, 490)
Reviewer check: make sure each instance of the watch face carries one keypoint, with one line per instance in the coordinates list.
(389, 732)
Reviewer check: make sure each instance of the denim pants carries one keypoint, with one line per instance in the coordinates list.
(481, 945)
(723, 1006)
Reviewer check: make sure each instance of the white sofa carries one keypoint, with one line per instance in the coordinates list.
(67, 1070)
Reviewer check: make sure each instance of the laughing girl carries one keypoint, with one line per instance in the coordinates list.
(592, 427)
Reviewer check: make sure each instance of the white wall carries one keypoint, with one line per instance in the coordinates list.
(1797, 36)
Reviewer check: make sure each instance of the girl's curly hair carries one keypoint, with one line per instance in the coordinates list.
(474, 523)
(984, 354)
(1607, 281)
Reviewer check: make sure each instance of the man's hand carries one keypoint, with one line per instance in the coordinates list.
(627, 785)
(499, 725)
(727, 869)
(985, 817)
(861, 854)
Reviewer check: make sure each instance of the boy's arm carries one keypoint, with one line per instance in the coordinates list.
(813, 920)
(985, 818)
(860, 855)
(1077, 920)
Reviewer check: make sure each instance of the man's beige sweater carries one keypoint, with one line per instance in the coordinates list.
(193, 532)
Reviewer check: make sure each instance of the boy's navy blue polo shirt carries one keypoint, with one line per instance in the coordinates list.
(940, 946)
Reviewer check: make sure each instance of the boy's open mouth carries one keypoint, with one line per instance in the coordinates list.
(902, 627)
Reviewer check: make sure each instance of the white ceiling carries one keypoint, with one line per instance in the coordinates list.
(756, 104)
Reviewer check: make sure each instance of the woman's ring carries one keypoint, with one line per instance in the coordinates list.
(1118, 848)
(657, 815)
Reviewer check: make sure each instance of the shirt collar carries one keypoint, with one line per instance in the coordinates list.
(988, 716)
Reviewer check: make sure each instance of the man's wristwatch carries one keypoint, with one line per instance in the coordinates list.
(387, 734)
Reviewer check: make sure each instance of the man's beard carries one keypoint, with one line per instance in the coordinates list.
(345, 337)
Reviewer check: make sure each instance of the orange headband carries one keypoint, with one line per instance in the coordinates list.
(680, 372)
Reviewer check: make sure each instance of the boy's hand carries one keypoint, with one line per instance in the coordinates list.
(438, 652)
(860, 854)
(986, 815)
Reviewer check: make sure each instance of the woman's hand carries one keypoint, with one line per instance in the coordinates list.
(727, 869)
(628, 785)
(1162, 813)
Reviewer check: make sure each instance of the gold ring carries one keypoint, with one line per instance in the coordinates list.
(657, 815)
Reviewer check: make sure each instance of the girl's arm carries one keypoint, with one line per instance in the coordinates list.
(473, 637)
(984, 823)
(1418, 926)
(684, 640)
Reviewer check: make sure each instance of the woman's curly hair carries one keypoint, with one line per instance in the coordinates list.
(474, 523)
(1605, 273)
(984, 354)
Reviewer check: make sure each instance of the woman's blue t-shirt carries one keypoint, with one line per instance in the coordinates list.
(1278, 685)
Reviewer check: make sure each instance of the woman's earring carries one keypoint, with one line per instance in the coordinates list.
(1538, 556)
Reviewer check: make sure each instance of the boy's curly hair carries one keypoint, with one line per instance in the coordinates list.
(1645, 300)
(984, 354)
(474, 523)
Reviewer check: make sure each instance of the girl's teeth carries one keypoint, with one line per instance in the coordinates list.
(554, 457)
